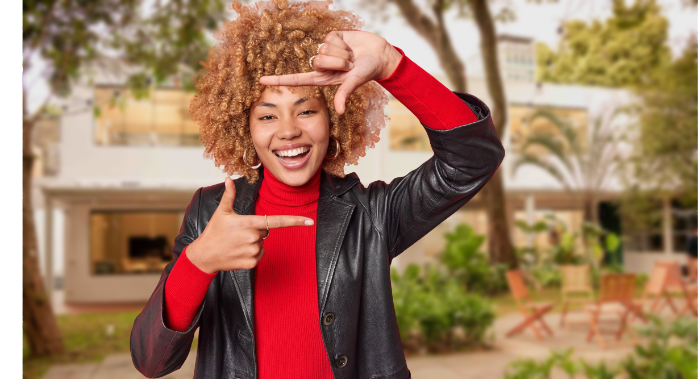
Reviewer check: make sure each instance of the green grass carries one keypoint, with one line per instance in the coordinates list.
(85, 340)
(505, 303)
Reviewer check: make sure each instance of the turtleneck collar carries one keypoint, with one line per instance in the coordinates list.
(277, 192)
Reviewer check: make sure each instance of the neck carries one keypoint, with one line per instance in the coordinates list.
(277, 192)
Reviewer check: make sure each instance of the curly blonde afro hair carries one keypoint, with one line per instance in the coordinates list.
(275, 38)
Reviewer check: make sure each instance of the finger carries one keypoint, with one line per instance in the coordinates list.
(260, 255)
(226, 204)
(350, 84)
(303, 79)
(336, 38)
(279, 222)
(335, 51)
(330, 63)
(285, 221)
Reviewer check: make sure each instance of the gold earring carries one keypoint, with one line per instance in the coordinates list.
(338, 148)
(244, 159)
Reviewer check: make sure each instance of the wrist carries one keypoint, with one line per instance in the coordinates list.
(391, 59)
(193, 253)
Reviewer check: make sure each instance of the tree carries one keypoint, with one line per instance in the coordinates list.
(582, 164)
(663, 161)
(618, 52)
(629, 50)
(68, 35)
(434, 31)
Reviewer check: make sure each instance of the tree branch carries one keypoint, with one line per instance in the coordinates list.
(488, 43)
(437, 36)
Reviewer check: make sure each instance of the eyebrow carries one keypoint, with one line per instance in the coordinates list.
(272, 105)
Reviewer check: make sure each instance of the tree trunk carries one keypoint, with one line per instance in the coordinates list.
(39, 323)
(437, 37)
(499, 239)
(500, 247)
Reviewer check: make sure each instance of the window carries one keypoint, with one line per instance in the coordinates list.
(683, 219)
(645, 234)
(406, 133)
(162, 119)
(132, 242)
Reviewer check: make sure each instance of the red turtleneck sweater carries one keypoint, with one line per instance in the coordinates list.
(287, 333)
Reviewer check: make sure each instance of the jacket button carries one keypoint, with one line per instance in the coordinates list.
(328, 319)
(341, 361)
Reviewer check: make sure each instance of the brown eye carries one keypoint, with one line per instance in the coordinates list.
(308, 112)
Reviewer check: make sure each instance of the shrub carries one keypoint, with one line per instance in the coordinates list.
(464, 260)
(670, 352)
(434, 312)
(547, 275)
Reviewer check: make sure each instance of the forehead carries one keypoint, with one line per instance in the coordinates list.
(282, 95)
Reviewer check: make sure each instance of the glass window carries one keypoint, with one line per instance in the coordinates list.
(132, 242)
(162, 119)
(406, 133)
(646, 235)
(683, 219)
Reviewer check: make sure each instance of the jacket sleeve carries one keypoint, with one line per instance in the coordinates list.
(157, 350)
(465, 158)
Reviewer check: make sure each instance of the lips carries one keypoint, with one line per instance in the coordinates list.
(293, 156)
(292, 152)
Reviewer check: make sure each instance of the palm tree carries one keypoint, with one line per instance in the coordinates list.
(582, 165)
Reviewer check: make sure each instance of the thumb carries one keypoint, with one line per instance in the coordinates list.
(226, 204)
(350, 84)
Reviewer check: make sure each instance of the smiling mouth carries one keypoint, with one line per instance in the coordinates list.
(292, 155)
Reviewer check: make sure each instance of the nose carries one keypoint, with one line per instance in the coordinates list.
(288, 130)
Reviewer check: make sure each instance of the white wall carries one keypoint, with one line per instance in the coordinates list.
(80, 158)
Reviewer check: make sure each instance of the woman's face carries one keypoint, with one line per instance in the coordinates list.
(290, 132)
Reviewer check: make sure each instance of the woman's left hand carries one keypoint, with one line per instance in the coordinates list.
(347, 58)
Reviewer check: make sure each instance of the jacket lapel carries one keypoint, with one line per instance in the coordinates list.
(333, 216)
(245, 198)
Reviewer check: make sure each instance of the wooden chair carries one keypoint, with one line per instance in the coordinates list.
(675, 284)
(533, 312)
(654, 290)
(615, 295)
(576, 287)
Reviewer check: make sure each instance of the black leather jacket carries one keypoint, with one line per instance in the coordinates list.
(359, 231)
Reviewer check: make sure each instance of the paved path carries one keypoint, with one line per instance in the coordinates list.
(477, 365)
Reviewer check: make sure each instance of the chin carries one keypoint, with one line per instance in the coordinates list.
(294, 176)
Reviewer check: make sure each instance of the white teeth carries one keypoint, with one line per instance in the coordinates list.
(292, 152)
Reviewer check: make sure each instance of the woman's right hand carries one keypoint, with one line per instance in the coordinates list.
(231, 241)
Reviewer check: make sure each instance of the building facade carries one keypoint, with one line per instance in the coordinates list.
(122, 170)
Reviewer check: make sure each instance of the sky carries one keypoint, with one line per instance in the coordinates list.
(537, 20)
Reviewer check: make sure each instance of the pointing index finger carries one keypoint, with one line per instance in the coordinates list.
(283, 221)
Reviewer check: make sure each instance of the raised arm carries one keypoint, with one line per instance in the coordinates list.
(467, 150)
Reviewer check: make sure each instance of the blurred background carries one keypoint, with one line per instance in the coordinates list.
(588, 227)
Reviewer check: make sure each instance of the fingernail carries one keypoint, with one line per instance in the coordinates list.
(309, 222)
(351, 65)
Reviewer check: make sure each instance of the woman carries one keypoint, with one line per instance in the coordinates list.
(286, 270)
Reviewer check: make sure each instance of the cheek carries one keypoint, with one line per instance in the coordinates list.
(319, 131)
(261, 137)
